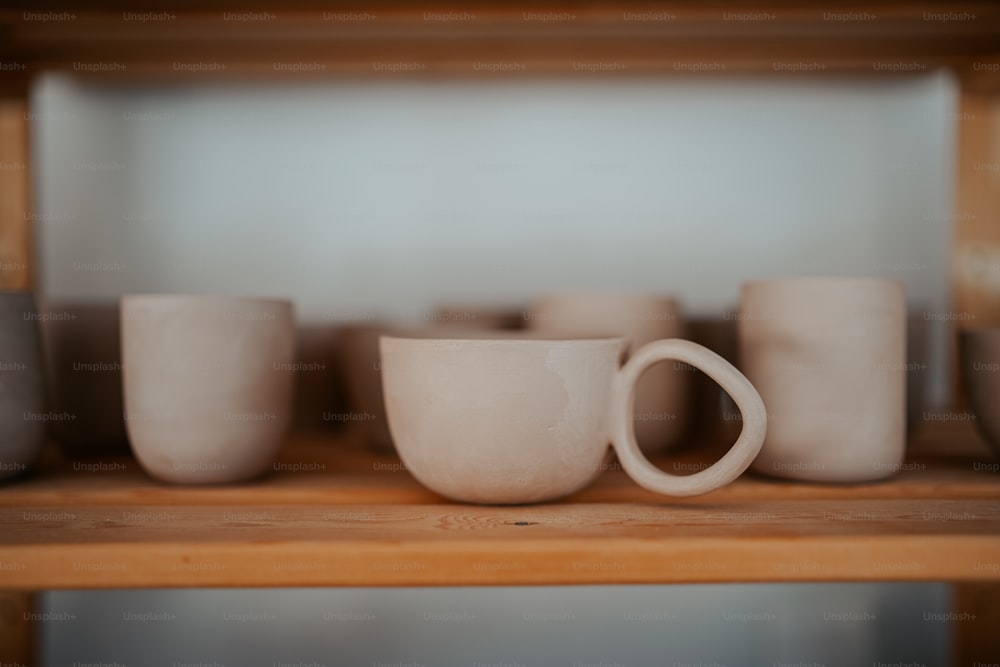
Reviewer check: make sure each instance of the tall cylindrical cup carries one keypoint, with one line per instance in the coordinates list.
(828, 356)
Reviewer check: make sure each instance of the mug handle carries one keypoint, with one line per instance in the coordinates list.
(722, 472)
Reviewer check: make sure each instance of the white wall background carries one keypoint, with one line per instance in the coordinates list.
(391, 198)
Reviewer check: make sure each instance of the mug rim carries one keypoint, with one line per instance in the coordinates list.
(609, 294)
(180, 297)
(821, 280)
(517, 338)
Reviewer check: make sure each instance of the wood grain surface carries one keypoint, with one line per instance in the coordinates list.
(306, 39)
(16, 222)
(333, 514)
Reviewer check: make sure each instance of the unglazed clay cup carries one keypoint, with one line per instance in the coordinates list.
(521, 420)
(208, 384)
(83, 347)
(662, 396)
(22, 385)
(828, 356)
(979, 353)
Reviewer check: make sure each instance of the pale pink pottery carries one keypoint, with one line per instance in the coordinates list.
(207, 384)
(828, 356)
(521, 420)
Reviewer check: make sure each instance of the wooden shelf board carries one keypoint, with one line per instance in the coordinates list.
(353, 518)
(494, 561)
(453, 38)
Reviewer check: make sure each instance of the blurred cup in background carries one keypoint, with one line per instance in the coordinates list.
(661, 397)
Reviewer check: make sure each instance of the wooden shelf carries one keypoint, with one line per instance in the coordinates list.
(362, 520)
(356, 519)
(306, 39)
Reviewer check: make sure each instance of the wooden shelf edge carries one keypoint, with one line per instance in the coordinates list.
(216, 38)
(500, 562)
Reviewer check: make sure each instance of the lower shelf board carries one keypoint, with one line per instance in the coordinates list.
(363, 521)
(268, 545)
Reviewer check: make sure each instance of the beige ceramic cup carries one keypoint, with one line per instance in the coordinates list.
(207, 384)
(521, 420)
(828, 356)
(661, 398)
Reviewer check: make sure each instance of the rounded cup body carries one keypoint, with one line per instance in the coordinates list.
(207, 384)
(498, 421)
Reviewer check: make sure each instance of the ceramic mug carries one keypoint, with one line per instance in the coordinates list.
(661, 399)
(828, 356)
(208, 384)
(22, 385)
(523, 420)
(979, 353)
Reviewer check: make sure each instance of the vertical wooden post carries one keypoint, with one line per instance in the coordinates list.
(17, 636)
(975, 275)
(976, 250)
(977, 620)
(17, 272)
(976, 294)
(17, 268)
